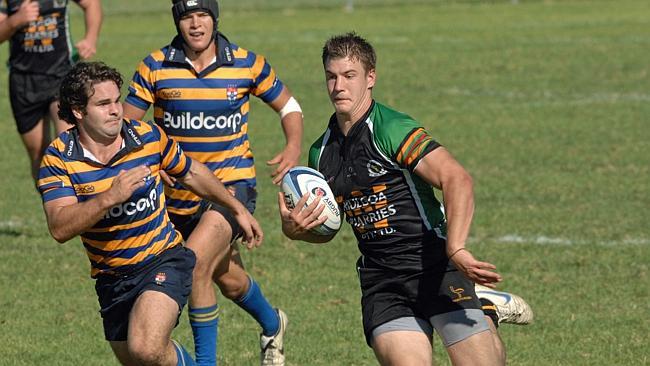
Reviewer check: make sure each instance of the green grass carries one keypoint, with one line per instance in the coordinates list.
(546, 104)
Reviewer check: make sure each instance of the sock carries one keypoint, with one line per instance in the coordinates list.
(205, 325)
(183, 358)
(489, 309)
(259, 308)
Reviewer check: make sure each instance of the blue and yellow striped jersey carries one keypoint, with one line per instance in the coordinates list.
(135, 231)
(206, 112)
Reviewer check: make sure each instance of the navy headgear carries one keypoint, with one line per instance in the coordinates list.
(181, 8)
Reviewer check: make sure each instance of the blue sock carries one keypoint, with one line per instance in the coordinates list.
(182, 357)
(204, 323)
(259, 308)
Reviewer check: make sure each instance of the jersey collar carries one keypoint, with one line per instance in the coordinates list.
(74, 151)
(334, 124)
(225, 56)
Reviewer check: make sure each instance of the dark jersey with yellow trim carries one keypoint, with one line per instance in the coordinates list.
(396, 218)
(135, 231)
(43, 46)
(206, 112)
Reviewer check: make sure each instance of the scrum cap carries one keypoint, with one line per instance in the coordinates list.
(181, 8)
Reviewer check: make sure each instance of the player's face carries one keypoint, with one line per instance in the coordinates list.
(102, 119)
(349, 86)
(196, 29)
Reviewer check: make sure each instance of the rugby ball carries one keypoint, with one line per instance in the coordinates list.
(300, 180)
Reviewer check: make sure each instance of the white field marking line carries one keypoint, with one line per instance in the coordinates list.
(11, 224)
(547, 240)
(546, 98)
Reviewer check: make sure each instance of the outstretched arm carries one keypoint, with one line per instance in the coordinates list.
(87, 47)
(441, 170)
(292, 125)
(200, 180)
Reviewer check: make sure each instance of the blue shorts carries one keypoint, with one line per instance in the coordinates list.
(245, 194)
(169, 273)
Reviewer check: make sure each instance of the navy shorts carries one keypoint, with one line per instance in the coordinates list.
(30, 96)
(169, 273)
(388, 295)
(244, 193)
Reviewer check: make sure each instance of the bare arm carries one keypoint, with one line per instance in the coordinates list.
(292, 125)
(87, 47)
(67, 218)
(200, 180)
(28, 12)
(297, 223)
(133, 112)
(442, 171)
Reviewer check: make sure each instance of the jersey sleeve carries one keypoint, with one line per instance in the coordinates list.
(405, 142)
(266, 84)
(173, 160)
(141, 88)
(53, 179)
(314, 153)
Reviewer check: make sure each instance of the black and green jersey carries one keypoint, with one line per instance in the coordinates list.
(43, 46)
(395, 215)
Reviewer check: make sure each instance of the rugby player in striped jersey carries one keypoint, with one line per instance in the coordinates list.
(101, 180)
(200, 86)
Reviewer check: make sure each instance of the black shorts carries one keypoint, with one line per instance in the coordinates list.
(30, 96)
(169, 273)
(388, 295)
(245, 194)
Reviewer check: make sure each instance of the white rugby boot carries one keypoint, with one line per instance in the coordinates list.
(272, 348)
(510, 308)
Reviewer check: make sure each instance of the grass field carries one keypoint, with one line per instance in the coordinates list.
(545, 102)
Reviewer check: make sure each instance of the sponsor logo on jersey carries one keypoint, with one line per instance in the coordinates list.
(375, 169)
(86, 189)
(228, 54)
(131, 208)
(134, 137)
(201, 121)
(170, 94)
(70, 147)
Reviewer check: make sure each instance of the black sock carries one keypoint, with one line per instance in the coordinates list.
(489, 309)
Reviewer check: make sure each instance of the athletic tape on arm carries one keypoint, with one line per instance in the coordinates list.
(290, 107)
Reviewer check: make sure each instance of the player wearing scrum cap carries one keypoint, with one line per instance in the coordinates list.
(200, 85)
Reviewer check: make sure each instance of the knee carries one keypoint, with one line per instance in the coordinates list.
(234, 287)
(145, 353)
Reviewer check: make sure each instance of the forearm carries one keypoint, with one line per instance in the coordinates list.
(459, 209)
(66, 222)
(93, 19)
(8, 27)
(292, 125)
(202, 182)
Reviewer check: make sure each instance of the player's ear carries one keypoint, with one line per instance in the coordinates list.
(371, 77)
(77, 113)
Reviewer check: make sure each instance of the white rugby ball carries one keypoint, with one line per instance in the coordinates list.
(300, 180)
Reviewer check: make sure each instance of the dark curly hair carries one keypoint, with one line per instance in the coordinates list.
(78, 86)
(350, 45)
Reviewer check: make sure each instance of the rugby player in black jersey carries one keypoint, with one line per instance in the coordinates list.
(40, 54)
(415, 270)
